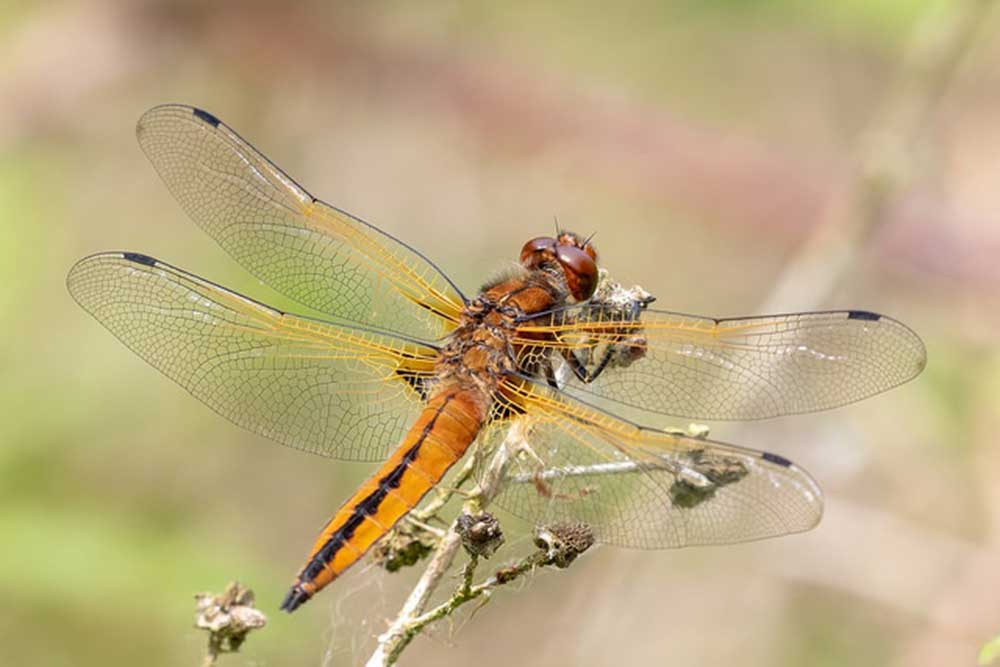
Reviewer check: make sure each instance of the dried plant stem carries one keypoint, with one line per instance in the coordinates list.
(467, 592)
(395, 639)
(392, 642)
(443, 496)
(611, 467)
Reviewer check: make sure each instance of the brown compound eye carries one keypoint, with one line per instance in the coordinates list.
(534, 248)
(580, 269)
(569, 238)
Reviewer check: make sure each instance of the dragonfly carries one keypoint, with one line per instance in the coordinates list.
(403, 369)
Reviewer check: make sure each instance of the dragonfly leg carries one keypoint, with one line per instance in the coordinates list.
(580, 369)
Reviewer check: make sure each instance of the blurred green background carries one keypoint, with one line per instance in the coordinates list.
(704, 142)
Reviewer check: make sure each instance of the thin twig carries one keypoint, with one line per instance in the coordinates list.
(469, 592)
(653, 463)
(557, 546)
(397, 636)
(423, 525)
(443, 496)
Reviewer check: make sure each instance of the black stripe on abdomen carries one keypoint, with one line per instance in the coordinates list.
(370, 504)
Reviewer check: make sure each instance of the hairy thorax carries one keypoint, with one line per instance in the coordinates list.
(481, 351)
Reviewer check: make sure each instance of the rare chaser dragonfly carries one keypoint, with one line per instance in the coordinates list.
(408, 371)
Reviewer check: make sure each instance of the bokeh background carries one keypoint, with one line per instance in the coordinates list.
(733, 156)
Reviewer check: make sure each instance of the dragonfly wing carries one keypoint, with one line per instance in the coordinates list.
(743, 368)
(330, 389)
(310, 251)
(648, 489)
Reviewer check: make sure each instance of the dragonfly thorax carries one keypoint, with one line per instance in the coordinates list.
(481, 351)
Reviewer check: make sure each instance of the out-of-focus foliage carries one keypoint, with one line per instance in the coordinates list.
(990, 652)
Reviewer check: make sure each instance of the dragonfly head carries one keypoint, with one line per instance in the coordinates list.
(574, 255)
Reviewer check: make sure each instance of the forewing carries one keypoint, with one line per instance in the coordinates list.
(310, 251)
(330, 389)
(648, 489)
(744, 368)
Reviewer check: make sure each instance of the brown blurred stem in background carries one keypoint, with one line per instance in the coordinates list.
(879, 173)
(882, 165)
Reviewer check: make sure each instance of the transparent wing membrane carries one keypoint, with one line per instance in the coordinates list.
(647, 489)
(310, 251)
(350, 385)
(748, 368)
(330, 389)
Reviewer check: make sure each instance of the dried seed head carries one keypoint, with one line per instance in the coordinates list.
(563, 542)
(404, 546)
(481, 534)
(228, 617)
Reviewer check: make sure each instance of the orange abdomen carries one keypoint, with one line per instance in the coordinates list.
(441, 435)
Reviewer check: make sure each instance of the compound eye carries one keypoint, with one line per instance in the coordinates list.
(569, 238)
(536, 246)
(580, 269)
